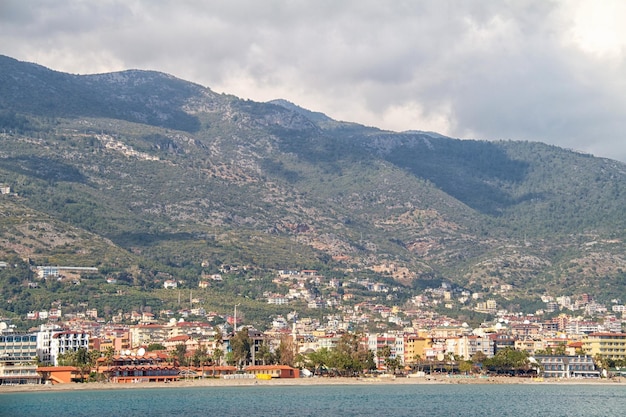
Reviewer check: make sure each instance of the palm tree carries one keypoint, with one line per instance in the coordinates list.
(601, 363)
(84, 361)
(418, 361)
(218, 338)
(108, 360)
(385, 353)
(217, 357)
(200, 356)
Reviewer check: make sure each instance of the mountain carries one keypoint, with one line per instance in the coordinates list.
(147, 175)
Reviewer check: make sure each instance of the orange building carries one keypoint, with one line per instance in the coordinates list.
(59, 374)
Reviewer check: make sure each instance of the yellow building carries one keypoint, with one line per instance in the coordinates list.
(416, 345)
(607, 345)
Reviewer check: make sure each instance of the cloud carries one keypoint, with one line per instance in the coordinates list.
(540, 70)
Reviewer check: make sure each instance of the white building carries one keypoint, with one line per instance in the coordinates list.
(67, 341)
(44, 338)
(170, 284)
(277, 299)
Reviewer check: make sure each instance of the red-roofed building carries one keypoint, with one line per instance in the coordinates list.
(152, 367)
(59, 374)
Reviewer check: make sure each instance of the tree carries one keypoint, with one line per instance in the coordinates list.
(218, 337)
(350, 356)
(155, 346)
(509, 361)
(200, 356)
(285, 351)
(178, 354)
(384, 352)
(81, 358)
(418, 362)
(319, 360)
(299, 361)
(218, 354)
(465, 367)
(230, 358)
(601, 363)
(580, 352)
(108, 358)
(264, 354)
(479, 357)
(392, 364)
(561, 349)
(240, 346)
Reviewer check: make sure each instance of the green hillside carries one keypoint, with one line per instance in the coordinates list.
(147, 176)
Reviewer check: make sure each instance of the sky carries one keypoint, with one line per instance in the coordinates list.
(536, 70)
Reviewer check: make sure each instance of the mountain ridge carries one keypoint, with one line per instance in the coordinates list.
(177, 176)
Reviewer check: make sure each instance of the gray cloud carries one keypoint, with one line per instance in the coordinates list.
(540, 70)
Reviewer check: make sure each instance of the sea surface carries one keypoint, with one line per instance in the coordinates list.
(331, 400)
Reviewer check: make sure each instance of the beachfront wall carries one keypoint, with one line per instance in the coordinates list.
(275, 371)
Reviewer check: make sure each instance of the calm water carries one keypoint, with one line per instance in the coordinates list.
(343, 400)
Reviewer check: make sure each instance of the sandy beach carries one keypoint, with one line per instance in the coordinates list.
(209, 382)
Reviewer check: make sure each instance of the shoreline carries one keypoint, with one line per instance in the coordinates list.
(208, 383)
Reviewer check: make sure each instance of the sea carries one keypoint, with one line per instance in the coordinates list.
(519, 400)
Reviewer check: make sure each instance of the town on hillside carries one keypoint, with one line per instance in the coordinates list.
(571, 337)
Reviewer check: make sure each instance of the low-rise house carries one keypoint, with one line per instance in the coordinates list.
(210, 371)
(170, 284)
(274, 371)
(183, 339)
(59, 374)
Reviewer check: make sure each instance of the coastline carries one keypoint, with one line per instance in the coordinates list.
(199, 383)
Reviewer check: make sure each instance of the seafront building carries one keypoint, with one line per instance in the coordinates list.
(129, 362)
(17, 359)
(607, 345)
(67, 341)
(561, 366)
(150, 367)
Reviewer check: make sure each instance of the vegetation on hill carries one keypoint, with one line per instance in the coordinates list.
(146, 176)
